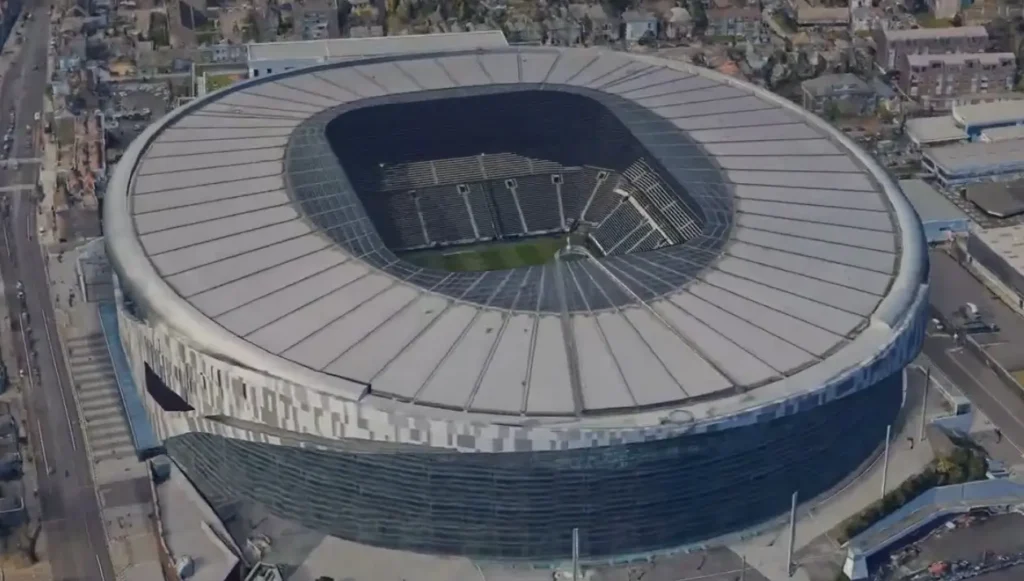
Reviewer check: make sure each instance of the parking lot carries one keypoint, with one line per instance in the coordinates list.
(982, 541)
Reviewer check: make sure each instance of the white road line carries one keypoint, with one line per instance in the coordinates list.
(99, 566)
(999, 402)
(42, 446)
(60, 384)
(7, 238)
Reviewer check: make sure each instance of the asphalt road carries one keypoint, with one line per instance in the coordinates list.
(952, 286)
(71, 519)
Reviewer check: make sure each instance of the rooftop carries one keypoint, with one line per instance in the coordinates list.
(999, 199)
(340, 48)
(1008, 112)
(962, 157)
(807, 288)
(828, 83)
(922, 33)
(1008, 242)
(929, 203)
(961, 58)
(926, 130)
(996, 134)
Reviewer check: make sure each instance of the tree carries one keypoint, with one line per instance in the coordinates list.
(832, 111)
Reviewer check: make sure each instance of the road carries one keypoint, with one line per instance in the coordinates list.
(76, 542)
(951, 287)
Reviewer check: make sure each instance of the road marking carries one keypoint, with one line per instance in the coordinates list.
(18, 188)
(998, 402)
(56, 372)
(7, 240)
(99, 566)
(42, 446)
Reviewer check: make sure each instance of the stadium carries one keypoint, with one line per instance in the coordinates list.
(465, 302)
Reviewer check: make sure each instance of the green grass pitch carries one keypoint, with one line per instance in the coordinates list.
(496, 256)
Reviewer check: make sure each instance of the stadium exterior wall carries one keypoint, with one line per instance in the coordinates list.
(498, 491)
(425, 479)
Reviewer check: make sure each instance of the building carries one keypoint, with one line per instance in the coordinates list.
(977, 118)
(931, 131)
(843, 94)
(1001, 252)
(639, 25)
(861, 16)
(973, 162)
(735, 19)
(314, 20)
(937, 80)
(996, 134)
(940, 217)
(892, 45)
(997, 199)
(269, 58)
(943, 9)
(808, 16)
(291, 356)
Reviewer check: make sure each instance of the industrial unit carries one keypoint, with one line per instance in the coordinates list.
(940, 217)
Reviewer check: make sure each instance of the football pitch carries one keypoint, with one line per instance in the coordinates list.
(494, 256)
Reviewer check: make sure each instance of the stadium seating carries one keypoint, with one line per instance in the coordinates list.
(620, 224)
(494, 196)
(538, 200)
(446, 216)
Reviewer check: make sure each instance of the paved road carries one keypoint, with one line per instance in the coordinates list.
(952, 286)
(71, 517)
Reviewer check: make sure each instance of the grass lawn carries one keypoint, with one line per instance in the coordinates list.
(217, 82)
(496, 256)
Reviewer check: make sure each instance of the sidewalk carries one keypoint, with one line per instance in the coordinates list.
(767, 552)
(122, 481)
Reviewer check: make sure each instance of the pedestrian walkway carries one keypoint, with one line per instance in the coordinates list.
(122, 481)
(100, 401)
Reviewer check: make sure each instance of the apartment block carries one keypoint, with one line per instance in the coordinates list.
(893, 45)
(937, 80)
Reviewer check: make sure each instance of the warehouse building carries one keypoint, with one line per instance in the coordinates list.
(1001, 252)
(981, 116)
(940, 217)
(965, 163)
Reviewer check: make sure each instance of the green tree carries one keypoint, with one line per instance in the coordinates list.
(832, 111)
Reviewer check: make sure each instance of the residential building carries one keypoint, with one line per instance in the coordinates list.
(860, 16)
(638, 25)
(268, 58)
(736, 19)
(846, 94)
(936, 80)
(892, 45)
(943, 9)
(808, 16)
(314, 20)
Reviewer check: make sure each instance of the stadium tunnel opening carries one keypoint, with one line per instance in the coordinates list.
(531, 169)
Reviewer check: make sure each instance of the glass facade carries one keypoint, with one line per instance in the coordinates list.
(625, 499)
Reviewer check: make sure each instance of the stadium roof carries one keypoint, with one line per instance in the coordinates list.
(346, 48)
(824, 255)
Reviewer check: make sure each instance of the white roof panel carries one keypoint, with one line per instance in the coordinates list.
(813, 245)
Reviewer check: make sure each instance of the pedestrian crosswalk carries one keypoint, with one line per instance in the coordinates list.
(103, 415)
